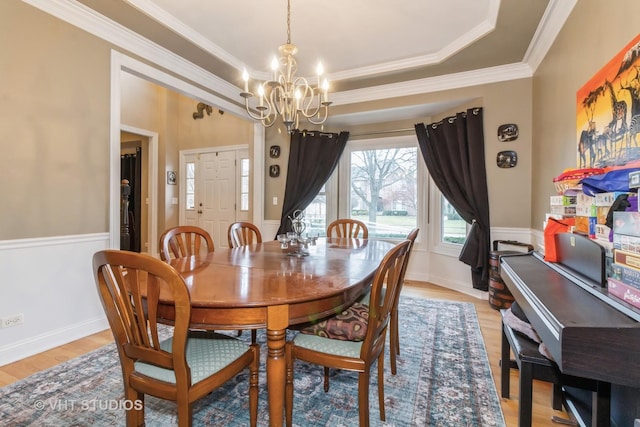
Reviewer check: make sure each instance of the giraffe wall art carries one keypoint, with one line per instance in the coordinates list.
(608, 113)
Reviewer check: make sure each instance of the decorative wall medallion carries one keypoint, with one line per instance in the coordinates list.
(507, 159)
(274, 151)
(172, 178)
(274, 171)
(507, 132)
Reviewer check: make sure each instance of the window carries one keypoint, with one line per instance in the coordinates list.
(316, 214)
(244, 184)
(190, 183)
(454, 228)
(382, 180)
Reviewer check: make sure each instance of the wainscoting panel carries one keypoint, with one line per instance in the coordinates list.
(50, 282)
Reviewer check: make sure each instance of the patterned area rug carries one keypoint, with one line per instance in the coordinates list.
(443, 379)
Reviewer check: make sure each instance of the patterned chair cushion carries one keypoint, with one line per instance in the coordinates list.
(350, 325)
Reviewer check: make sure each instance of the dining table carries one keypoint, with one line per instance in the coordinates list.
(265, 286)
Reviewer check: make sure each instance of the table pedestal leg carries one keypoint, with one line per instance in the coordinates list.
(277, 322)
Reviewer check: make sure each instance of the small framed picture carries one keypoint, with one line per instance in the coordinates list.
(507, 132)
(172, 178)
(274, 151)
(507, 159)
(274, 171)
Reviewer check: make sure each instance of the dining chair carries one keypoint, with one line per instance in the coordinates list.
(243, 233)
(184, 240)
(348, 228)
(394, 328)
(180, 368)
(353, 353)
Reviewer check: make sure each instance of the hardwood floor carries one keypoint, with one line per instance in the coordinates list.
(489, 324)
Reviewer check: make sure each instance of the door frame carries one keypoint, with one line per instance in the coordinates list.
(152, 190)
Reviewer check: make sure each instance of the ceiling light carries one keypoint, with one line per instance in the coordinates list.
(286, 95)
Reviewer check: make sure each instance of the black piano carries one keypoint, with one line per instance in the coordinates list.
(589, 333)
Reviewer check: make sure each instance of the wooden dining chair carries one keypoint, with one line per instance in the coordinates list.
(184, 240)
(354, 353)
(348, 228)
(181, 368)
(394, 330)
(243, 233)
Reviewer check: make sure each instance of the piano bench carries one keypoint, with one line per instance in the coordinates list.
(532, 365)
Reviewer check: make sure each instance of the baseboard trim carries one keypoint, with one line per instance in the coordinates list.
(39, 343)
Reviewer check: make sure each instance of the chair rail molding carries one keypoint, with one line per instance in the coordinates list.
(50, 282)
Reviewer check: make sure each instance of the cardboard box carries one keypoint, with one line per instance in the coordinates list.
(626, 275)
(624, 292)
(562, 200)
(587, 210)
(603, 232)
(583, 199)
(586, 225)
(627, 223)
(601, 213)
(627, 259)
(607, 199)
(634, 179)
(563, 210)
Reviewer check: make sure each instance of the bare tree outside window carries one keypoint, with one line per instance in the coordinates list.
(383, 190)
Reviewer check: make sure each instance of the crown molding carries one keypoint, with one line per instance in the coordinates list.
(434, 84)
(86, 19)
(548, 29)
(92, 22)
(158, 14)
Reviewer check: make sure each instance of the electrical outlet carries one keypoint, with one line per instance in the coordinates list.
(15, 320)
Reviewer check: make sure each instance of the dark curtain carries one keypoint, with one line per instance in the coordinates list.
(131, 169)
(312, 159)
(453, 150)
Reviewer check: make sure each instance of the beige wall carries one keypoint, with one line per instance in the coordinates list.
(57, 109)
(506, 102)
(593, 34)
(54, 117)
(147, 106)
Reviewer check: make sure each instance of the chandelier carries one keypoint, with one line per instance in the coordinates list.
(286, 95)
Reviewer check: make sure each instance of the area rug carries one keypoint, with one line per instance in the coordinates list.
(443, 379)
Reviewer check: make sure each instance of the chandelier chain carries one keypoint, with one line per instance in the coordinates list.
(288, 21)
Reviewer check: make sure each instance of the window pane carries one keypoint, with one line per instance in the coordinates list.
(384, 190)
(454, 228)
(244, 184)
(190, 186)
(316, 214)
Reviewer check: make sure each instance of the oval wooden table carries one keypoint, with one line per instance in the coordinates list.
(262, 286)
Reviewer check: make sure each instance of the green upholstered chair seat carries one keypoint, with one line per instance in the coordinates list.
(205, 356)
(328, 345)
(349, 325)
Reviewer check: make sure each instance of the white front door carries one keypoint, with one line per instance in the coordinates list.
(217, 195)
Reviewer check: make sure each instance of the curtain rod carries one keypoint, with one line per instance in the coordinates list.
(385, 131)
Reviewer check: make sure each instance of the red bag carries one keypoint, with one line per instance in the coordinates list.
(553, 227)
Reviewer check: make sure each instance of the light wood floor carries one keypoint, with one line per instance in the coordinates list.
(489, 325)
